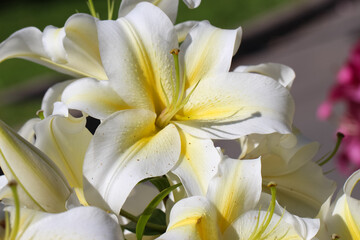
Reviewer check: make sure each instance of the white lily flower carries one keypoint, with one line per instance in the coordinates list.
(72, 50)
(77, 223)
(65, 140)
(287, 160)
(232, 209)
(154, 99)
(342, 218)
(41, 184)
(62, 137)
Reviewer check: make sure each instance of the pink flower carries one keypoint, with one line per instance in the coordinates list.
(347, 90)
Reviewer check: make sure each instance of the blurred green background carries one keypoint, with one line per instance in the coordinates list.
(17, 74)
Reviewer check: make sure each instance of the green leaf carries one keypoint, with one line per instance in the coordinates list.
(145, 216)
(158, 217)
(160, 183)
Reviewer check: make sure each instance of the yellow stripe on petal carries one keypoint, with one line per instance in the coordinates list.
(193, 218)
(235, 189)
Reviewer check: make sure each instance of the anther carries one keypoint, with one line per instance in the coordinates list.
(271, 184)
(175, 51)
(12, 183)
(335, 236)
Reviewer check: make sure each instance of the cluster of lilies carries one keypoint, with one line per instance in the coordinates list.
(150, 170)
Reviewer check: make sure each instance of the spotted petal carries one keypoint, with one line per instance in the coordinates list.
(197, 164)
(208, 50)
(135, 50)
(235, 189)
(232, 105)
(127, 148)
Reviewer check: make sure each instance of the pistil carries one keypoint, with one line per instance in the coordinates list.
(177, 94)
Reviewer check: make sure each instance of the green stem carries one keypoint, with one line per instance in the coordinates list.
(340, 137)
(92, 9)
(136, 219)
(110, 9)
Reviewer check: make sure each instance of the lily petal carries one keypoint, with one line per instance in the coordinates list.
(65, 141)
(136, 55)
(281, 73)
(303, 199)
(236, 104)
(82, 46)
(118, 158)
(77, 223)
(71, 50)
(192, 218)
(41, 184)
(25, 43)
(235, 189)
(208, 50)
(280, 153)
(169, 7)
(52, 95)
(306, 228)
(244, 227)
(183, 28)
(197, 165)
(345, 219)
(192, 3)
(27, 131)
(96, 98)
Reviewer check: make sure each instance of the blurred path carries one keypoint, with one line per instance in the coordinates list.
(316, 50)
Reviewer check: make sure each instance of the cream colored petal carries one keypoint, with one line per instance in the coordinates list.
(235, 189)
(281, 73)
(41, 184)
(197, 165)
(25, 43)
(345, 219)
(304, 191)
(65, 141)
(52, 95)
(71, 50)
(244, 227)
(231, 105)
(135, 50)
(96, 98)
(52, 39)
(280, 153)
(192, 218)
(306, 228)
(169, 7)
(75, 224)
(192, 3)
(27, 130)
(208, 50)
(183, 28)
(82, 46)
(127, 148)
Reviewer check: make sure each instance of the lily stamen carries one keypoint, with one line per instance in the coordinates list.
(260, 230)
